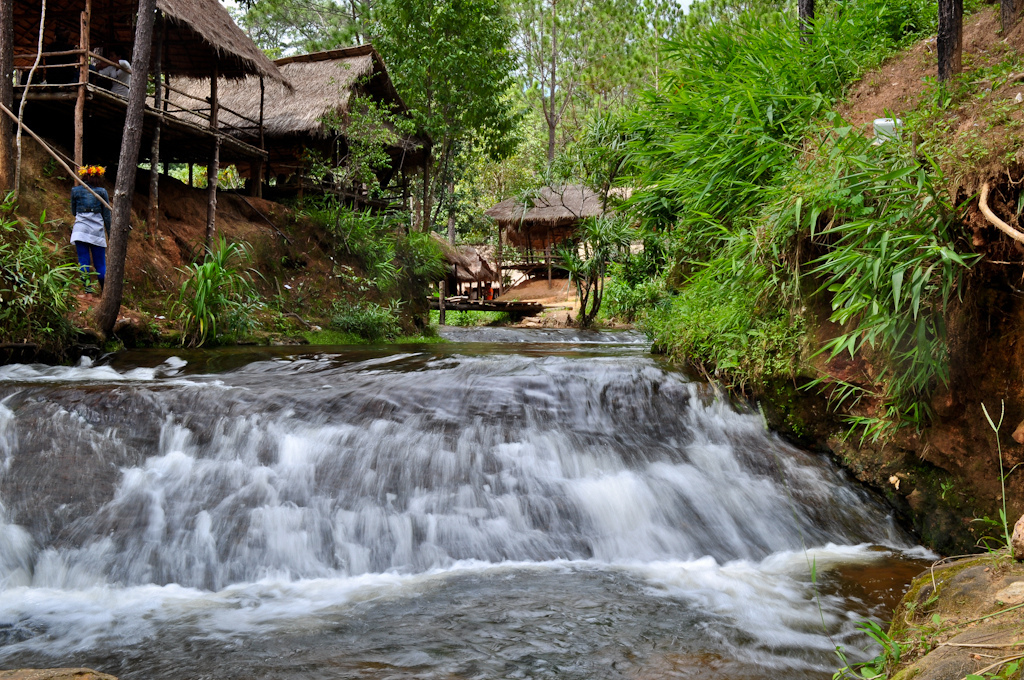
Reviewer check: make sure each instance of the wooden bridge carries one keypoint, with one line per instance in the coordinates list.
(512, 308)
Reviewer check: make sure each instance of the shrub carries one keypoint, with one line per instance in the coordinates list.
(216, 297)
(367, 320)
(35, 285)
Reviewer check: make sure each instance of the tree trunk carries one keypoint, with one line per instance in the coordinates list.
(552, 116)
(950, 38)
(6, 96)
(425, 220)
(451, 212)
(153, 219)
(1009, 10)
(131, 140)
(806, 8)
(214, 167)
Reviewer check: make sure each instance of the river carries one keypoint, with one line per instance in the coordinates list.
(511, 504)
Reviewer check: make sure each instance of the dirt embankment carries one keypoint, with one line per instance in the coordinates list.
(297, 269)
(944, 480)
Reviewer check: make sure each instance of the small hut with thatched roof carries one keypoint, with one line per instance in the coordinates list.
(472, 270)
(294, 122)
(553, 217)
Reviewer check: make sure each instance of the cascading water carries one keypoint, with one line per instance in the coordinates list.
(567, 509)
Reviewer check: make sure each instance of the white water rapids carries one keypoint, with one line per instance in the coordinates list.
(558, 508)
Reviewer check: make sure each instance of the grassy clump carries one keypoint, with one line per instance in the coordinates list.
(216, 300)
(367, 320)
(35, 284)
(766, 200)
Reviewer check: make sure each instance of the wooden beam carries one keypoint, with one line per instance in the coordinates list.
(214, 166)
(83, 83)
(950, 38)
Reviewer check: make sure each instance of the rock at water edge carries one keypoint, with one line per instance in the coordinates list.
(1017, 542)
(55, 674)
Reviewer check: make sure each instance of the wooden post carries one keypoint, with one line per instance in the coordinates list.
(214, 167)
(83, 83)
(191, 169)
(440, 304)
(497, 256)
(153, 219)
(1009, 12)
(547, 255)
(806, 10)
(256, 174)
(950, 38)
(6, 95)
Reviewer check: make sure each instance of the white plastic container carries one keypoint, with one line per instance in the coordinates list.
(887, 128)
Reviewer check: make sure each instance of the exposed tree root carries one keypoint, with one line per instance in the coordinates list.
(994, 220)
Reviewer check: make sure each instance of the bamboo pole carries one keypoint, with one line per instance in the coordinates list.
(83, 83)
(214, 167)
(56, 157)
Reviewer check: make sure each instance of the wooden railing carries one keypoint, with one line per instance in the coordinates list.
(247, 128)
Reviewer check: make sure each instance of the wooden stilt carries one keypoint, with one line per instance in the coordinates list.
(214, 167)
(497, 256)
(153, 219)
(256, 174)
(440, 305)
(83, 82)
(547, 254)
(191, 169)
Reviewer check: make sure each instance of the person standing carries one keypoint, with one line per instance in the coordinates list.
(92, 222)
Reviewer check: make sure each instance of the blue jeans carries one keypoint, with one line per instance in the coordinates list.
(98, 256)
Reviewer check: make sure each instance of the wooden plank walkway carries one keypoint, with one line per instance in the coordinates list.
(514, 308)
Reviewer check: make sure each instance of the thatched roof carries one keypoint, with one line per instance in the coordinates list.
(323, 83)
(470, 262)
(200, 35)
(553, 207)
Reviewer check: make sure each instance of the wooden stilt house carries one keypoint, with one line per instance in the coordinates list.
(294, 122)
(76, 106)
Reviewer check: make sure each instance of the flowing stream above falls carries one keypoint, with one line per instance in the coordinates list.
(511, 504)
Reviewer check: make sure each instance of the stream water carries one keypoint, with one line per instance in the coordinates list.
(508, 505)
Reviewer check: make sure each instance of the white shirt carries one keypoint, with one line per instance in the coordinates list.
(120, 75)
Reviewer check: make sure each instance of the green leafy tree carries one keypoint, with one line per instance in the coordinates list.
(282, 27)
(451, 61)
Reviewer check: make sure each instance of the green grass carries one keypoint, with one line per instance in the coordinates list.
(470, 318)
(329, 337)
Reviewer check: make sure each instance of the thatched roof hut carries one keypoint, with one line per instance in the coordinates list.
(200, 35)
(554, 215)
(470, 263)
(324, 83)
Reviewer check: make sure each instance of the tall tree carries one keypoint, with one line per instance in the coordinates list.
(580, 55)
(950, 38)
(451, 62)
(282, 27)
(6, 95)
(124, 186)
